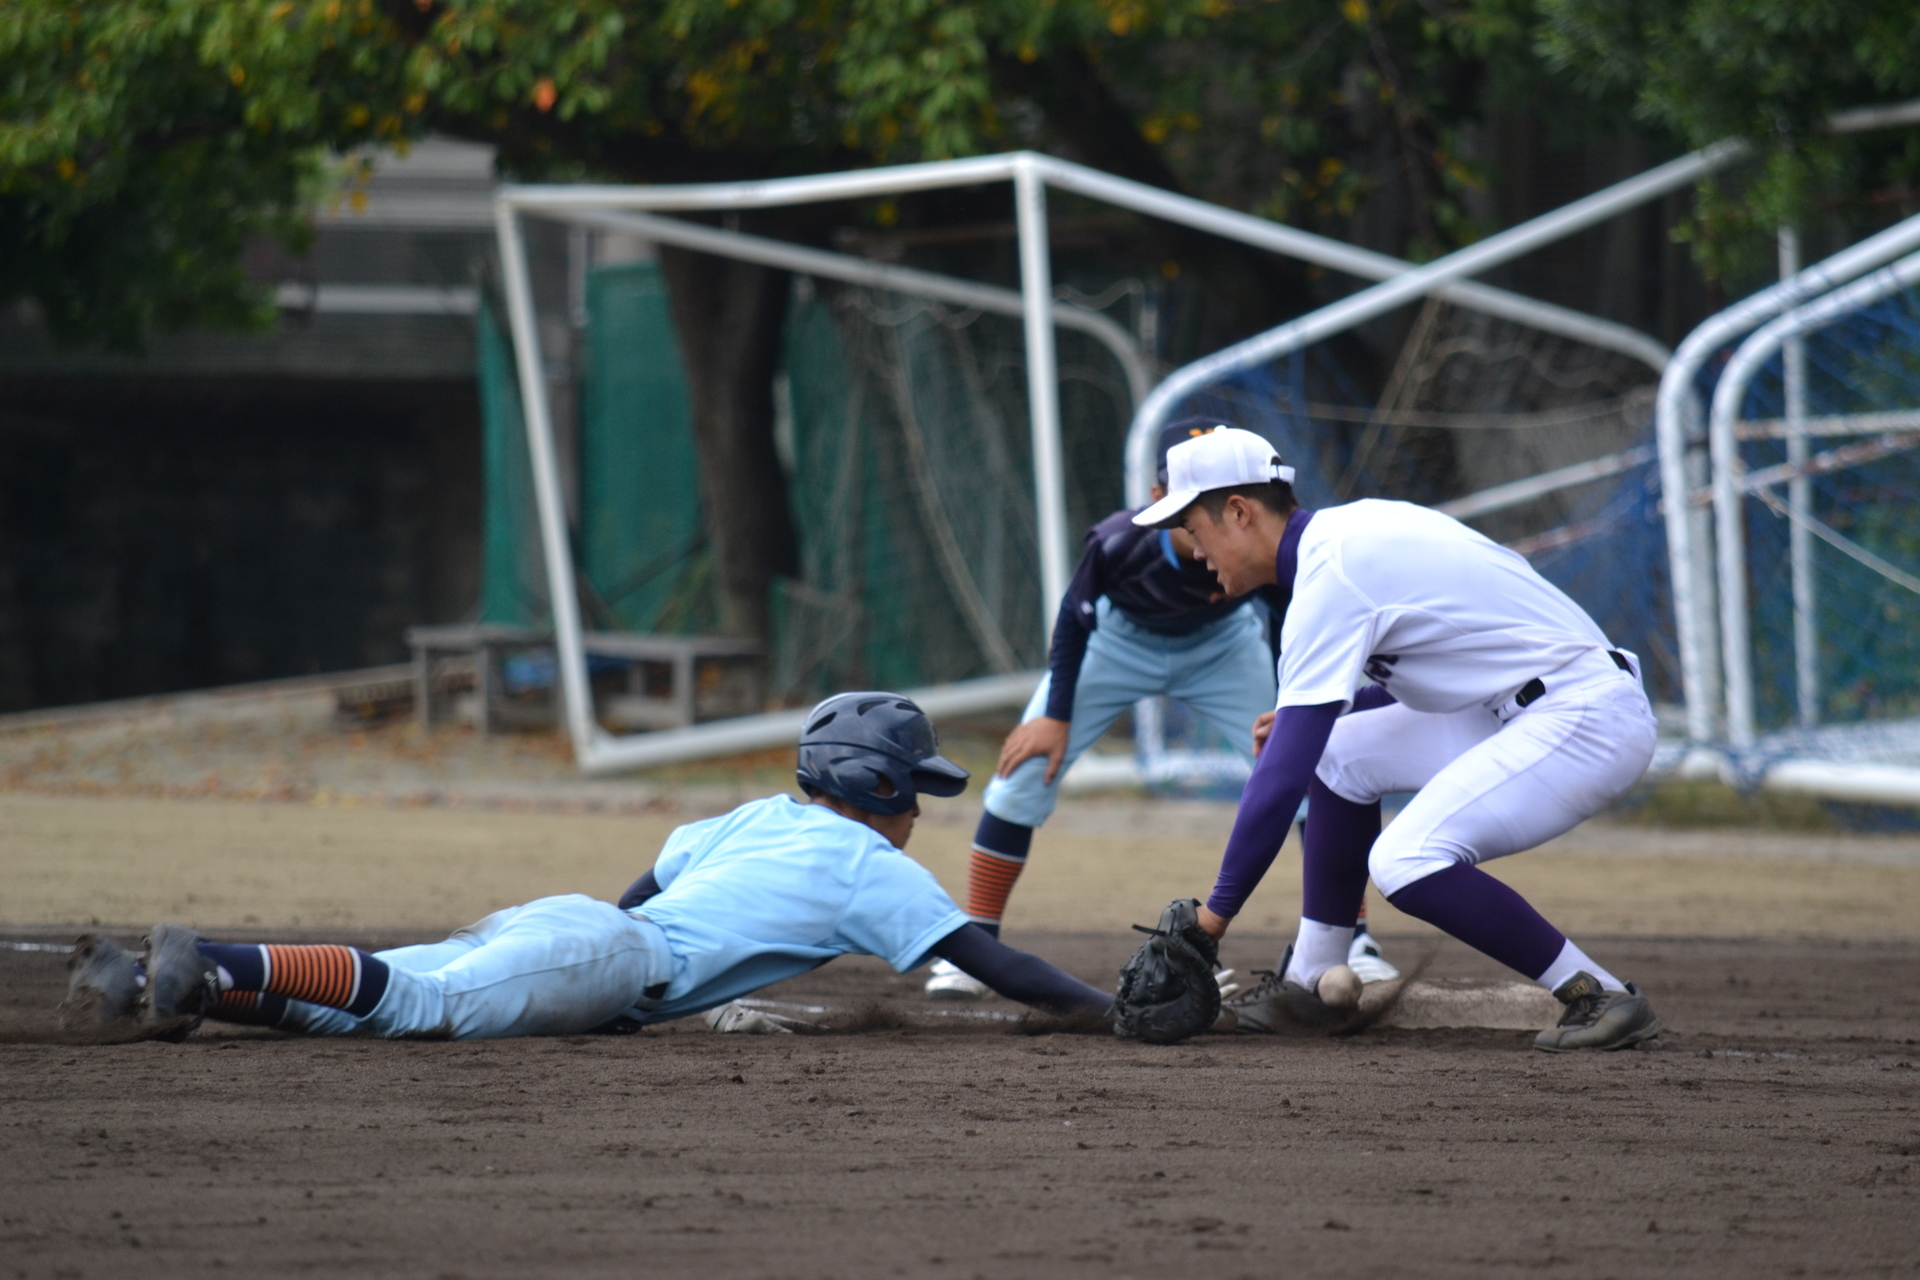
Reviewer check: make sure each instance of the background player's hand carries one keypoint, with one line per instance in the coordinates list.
(1262, 729)
(1040, 736)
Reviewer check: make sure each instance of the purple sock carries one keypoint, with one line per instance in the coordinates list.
(1333, 855)
(1485, 914)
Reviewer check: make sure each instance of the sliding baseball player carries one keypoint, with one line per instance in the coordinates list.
(1417, 655)
(767, 892)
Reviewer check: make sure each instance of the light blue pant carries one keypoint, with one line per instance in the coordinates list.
(1225, 672)
(556, 966)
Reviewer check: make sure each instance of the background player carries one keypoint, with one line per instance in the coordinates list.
(1142, 617)
(766, 892)
(1505, 709)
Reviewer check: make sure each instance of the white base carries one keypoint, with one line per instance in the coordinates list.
(1506, 1006)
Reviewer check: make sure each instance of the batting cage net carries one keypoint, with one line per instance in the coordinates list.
(907, 440)
(1829, 442)
(904, 431)
(1542, 442)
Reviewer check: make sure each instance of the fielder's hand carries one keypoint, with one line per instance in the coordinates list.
(1262, 730)
(1040, 736)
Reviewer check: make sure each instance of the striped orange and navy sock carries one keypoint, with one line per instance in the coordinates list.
(999, 856)
(249, 1008)
(338, 977)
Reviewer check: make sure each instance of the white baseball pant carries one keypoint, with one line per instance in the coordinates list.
(1485, 789)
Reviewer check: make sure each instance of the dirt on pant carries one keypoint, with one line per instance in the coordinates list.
(1772, 1130)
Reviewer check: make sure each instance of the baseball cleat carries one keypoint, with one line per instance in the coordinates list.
(1364, 958)
(1277, 1004)
(1597, 1018)
(948, 981)
(103, 982)
(182, 985)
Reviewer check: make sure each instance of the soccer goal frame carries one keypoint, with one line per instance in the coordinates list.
(1873, 435)
(637, 210)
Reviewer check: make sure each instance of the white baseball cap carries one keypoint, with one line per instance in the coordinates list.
(1221, 459)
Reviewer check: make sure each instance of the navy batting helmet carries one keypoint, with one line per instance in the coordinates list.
(1179, 433)
(876, 751)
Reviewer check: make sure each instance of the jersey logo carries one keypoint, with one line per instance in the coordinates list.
(1380, 667)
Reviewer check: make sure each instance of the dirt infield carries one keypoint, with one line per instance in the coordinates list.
(1773, 1131)
(1098, 866)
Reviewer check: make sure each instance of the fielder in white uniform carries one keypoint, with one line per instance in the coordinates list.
(767, 892)
(1416, 655)
(1141, 618)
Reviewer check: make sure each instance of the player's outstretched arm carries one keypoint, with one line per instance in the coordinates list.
(1019, 975)
(1273, 795)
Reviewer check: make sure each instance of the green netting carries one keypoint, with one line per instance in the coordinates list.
(910, 470)
(513, 580)
(913, 491)
(641, 543)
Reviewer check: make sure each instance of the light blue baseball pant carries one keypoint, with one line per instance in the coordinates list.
(1224, 671)
(556, 966)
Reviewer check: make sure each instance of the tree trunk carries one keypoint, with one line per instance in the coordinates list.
(730, 316)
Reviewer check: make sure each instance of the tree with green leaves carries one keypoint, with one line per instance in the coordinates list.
(1768, 70)
(144, 142)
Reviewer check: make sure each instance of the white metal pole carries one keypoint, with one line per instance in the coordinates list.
(570, 658)
(1043, 387)
(1127, 194)
(1730, 546)
(1729, 485)
(1482, 255)
(1696, 596)
(1368, 264)
(1674, 409)
(1806, 640)
(879, 275)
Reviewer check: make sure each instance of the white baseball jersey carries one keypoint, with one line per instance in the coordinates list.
(1445, 618)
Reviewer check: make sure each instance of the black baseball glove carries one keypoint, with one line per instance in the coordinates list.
(1167, 990)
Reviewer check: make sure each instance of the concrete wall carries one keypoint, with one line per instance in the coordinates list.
(167, 533)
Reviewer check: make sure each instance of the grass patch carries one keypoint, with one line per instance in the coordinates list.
(1699, 804)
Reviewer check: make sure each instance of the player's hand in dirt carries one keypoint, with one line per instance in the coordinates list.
(1040, 736)
(1262, 730)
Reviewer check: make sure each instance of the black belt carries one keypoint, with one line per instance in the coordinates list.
(1533, 690)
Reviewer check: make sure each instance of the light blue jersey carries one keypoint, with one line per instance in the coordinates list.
(778, 887)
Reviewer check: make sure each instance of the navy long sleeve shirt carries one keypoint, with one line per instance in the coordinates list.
(1139, 572)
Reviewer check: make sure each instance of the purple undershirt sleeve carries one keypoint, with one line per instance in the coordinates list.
(1272, 797)
(1371, 698)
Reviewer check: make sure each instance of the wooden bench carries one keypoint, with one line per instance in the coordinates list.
(660, 682)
